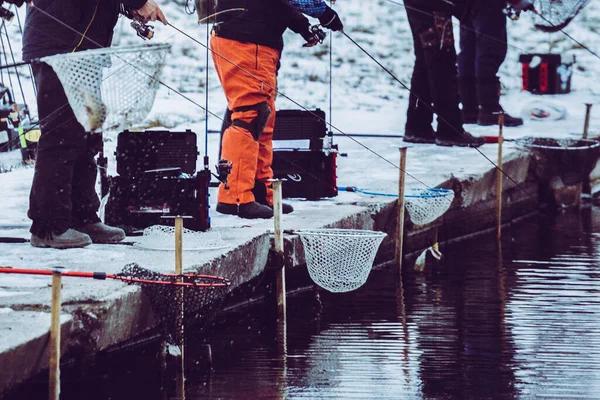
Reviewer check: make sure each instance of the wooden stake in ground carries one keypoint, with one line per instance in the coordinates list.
(180, 297)
(586, 125)
(278, 245)
(499, 173)
(400, 223)
(54, 350)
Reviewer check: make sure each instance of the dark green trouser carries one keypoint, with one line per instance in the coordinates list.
(63, 192)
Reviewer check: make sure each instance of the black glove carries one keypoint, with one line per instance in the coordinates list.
(523, 5)
(331, 20)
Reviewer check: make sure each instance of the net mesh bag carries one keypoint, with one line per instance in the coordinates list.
(162, 237)
(176, 306)
(554, 15)
(426, 205)
(339, 260)
(110, 88)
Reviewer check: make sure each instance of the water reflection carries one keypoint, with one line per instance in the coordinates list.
(475, 326)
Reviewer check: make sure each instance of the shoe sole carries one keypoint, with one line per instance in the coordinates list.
(496, 123)
(419, 141)
(107, 241)
(60, 247)
(461, 144)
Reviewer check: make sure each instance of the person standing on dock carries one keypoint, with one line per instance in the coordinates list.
(63, 203)
(246, 48)
(483, 47)
(434, 83)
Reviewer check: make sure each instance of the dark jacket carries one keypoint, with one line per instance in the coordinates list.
(263, 22)
(457, 8)
(44, 35)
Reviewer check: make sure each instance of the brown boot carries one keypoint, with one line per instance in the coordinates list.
(101, 233)
(70, 239)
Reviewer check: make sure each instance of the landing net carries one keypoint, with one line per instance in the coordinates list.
(161, 237)
(110, 88)
(340, 260)
(426, 205)
(175, 305)
(554, 15)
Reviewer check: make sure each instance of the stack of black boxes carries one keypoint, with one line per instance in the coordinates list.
(157, 178)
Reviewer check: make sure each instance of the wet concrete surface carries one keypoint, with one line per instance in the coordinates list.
(475, 326)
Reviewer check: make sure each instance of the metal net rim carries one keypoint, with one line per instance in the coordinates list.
(110, 50)
(167, 232)
(528, 142)
(335, 232)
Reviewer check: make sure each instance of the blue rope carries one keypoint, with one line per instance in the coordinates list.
(437, 192)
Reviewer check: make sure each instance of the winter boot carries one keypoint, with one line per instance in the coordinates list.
(260, 196)
(426, 136)
(70, 239)
(461, 139)
(488, 93)
(487, 118)
(101, 233)
(251, 210)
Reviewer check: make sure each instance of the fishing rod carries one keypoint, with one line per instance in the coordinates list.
(460, 134)
(194, 280)
(242, 69)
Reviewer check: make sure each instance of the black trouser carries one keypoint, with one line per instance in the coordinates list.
(483, 49)
(63, 193)
(434, 83)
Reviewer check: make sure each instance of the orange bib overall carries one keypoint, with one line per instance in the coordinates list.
(248, 74)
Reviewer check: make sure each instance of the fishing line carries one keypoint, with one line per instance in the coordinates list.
(4, 53)
(206, 96)
(330, 77)
(293, 101)
(28, 63)
(570, 37)
(501, 41)
(460, 134)
(287, 97)
(14, 61)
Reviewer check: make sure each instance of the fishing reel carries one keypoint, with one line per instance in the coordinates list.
(223, 171)
(316, 36)
(142, 29)
(5, 13)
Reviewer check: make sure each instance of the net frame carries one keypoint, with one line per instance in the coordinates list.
(176, 299)
(335, 255)
(187, 300)
(555, 15)
(110, 88)
(162, 237)
(427, 205)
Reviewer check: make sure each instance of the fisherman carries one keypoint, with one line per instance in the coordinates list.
(483, 47)
(434, 83)
(63, 202)
(246, 48)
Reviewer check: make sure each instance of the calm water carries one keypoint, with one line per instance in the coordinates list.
(473, 327)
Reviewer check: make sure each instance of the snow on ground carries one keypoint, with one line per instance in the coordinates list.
(365, 100)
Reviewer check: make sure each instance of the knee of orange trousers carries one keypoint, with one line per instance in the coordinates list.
(240, 148)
